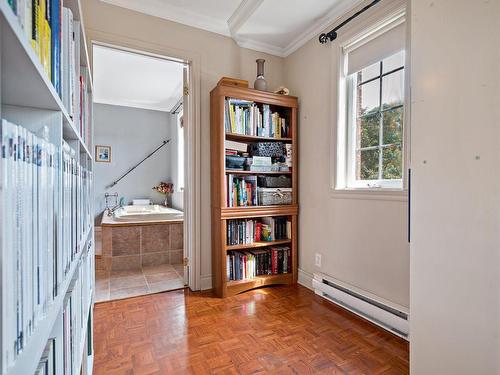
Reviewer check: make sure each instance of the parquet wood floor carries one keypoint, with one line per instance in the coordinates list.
(278, 330)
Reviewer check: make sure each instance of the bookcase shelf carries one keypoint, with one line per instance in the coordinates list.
(258, 244)
(236, 171)
(285, 106)
(31, 104)
(254, 138)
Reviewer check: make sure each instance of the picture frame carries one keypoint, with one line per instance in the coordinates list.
(103, 154)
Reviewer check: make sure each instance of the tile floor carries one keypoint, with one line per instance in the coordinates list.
(111, 285)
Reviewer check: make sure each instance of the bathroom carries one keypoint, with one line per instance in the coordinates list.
(139, 173)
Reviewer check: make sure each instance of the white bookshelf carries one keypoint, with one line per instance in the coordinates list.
(28, 99)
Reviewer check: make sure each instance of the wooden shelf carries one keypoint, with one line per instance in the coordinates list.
(236, 287)
(287, 107)
(237, 171)
(257, 211)
(256, 245)
(254, 138)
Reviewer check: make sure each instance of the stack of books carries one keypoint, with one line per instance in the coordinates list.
(249, 231)
(245, 117)
(55, 38)
(249, 264)
(242, 191)
(36, 252)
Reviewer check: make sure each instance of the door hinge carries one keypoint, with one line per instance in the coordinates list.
(186, 91)
(186, 262)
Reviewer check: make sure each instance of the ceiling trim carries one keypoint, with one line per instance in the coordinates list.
(236, 21)
(241, 15)
(160, 9)
(260, 46)
(331, 17)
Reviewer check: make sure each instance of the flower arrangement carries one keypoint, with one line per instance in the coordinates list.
(165, 188)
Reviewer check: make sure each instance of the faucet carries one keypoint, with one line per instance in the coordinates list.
(111, 210)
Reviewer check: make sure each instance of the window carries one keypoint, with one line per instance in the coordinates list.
(376, 124)
(371, 134)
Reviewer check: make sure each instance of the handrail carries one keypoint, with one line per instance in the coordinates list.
(135, 166)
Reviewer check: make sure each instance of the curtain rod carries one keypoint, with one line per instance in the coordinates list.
(332, 35)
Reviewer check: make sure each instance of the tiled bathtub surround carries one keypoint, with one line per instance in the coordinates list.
(112, 285)
(131, 247)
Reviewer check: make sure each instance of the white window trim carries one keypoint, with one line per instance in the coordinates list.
(371, 27)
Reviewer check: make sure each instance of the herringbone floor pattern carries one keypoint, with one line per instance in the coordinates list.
(279, 330)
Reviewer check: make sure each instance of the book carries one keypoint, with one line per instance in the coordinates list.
(249, 231)
(246, 265)
(248, 118)
(36, 260)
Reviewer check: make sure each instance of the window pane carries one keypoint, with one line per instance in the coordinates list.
(392, 162)
(393, 126)
(367, 164)
(393, 62)
(392, 89)
(369, 130)
(368, 98)
(370, 72)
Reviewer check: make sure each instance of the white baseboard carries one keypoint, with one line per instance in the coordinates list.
(305, 279)
(206, 282)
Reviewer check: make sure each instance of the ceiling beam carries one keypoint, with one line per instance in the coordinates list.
(241, 15)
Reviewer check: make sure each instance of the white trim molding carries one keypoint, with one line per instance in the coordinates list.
(206, 282)
(305, 279)
(192, 219)
(237, 20)
(162, 9)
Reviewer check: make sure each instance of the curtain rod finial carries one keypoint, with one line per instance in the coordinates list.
(325, 37)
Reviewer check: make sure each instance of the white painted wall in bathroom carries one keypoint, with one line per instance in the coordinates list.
(132, 134)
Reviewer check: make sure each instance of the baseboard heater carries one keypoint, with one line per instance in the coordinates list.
(383, 315)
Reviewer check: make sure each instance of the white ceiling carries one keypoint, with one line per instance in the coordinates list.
(278, 27)
(134, 80)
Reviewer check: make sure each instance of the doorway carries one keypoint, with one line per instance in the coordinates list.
(141, 112)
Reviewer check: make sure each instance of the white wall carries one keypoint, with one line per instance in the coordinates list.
(455, 250)
(363, 241)
(217, 55)
(132, 134)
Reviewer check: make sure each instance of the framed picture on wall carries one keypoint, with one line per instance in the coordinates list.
(103, 154)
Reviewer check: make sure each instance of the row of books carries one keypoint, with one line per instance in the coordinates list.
(246, 117)
(55, 38)
(74, 323)
(75, 315)
(242, 190)
(36, 255)
(249, 264)
(249, 231)
(76, 204)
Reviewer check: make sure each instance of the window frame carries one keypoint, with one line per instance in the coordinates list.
(381, 183)
(380, 22)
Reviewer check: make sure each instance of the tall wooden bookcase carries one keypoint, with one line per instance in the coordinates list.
(29, 100)
(221, 213)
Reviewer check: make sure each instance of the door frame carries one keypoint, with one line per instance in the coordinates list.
(192, 164)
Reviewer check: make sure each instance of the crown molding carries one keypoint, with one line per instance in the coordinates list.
(260, 46)
(160, 9)
(241, 15)
(324, 22)
(236, 21)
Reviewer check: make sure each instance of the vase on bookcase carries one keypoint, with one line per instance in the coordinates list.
(260, 83)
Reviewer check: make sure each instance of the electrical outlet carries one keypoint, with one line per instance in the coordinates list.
(317, 260)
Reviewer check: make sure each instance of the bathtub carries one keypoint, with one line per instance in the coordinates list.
(147, 213)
